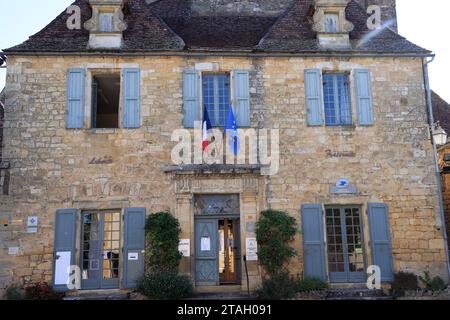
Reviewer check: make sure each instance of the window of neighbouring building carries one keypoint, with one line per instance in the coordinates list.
(336, 90)
(216, 97)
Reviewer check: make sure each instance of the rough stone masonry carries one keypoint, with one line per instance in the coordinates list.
(52, 167)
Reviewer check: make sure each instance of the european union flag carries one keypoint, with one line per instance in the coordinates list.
(231, 131)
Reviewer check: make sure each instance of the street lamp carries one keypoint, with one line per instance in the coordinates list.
(439, 135)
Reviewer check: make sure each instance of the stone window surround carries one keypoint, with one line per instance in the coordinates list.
(91, 71)
(352, 201)
(214, 68)
(353, 99)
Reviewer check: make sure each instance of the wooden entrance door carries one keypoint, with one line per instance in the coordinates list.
(228, 251)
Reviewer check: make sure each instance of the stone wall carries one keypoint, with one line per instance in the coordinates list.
(53, 168)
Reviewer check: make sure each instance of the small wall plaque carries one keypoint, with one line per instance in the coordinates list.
(344, 190)
(12, 251)
(185, 247)
(250, 227)
(251, 248)
(32, 224)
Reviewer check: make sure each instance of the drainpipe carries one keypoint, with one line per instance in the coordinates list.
(436, 160)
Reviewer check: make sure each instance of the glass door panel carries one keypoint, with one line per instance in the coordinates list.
(100, 250)
(228, 253)
(111, 249)
(345, 245)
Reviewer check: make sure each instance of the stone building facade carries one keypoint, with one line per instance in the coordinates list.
(373, 175)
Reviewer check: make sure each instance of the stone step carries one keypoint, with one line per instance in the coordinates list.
(354, 293)
(98, 297)
(221, 296)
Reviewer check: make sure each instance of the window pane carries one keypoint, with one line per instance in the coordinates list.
(216, 98)
(328, 93)
(336, 91)
(106, 22)
(331, 22)
(344, 99)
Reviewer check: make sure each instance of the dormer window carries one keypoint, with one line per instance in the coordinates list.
(106, 22)
(106, 25)
(331, 22)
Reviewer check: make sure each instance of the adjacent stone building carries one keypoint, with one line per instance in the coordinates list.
(90, 128)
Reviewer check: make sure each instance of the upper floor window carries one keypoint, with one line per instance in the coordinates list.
(106, 22)
(336, 91)
(216, 97)
(105, 101)
(331, 22)
(114, 100)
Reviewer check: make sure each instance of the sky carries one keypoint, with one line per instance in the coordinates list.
(425, 25)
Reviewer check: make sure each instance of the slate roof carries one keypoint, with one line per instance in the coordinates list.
(441, 111)
(170, 25)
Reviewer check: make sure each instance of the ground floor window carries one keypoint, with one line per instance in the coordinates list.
(345, 244)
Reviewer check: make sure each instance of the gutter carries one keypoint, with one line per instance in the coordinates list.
(221, 54)
(436, 160)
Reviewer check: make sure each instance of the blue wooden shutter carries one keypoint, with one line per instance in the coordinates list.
(363, 87)
(131, 98)
(75, 99)
(64, 247)
(241, 97)
(313, 241)
(191, 98)
(313, 94)
(134, 246)
(380, 239)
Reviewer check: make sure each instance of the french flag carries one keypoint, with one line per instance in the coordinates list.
(206, 127)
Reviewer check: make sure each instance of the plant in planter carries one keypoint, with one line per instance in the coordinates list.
(163, 258)
(42, 291)
(311, 284)
(165, 285)
(274, 232)
(403, 281)
(14, 292)
(434, 284)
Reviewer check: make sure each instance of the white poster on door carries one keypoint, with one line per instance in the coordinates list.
(251, 248)
(205, 244)
(62, 267)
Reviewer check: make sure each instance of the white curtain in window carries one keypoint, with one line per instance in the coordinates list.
(106, 22)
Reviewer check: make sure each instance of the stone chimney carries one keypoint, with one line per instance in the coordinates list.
(106, 24)
(388, 11)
